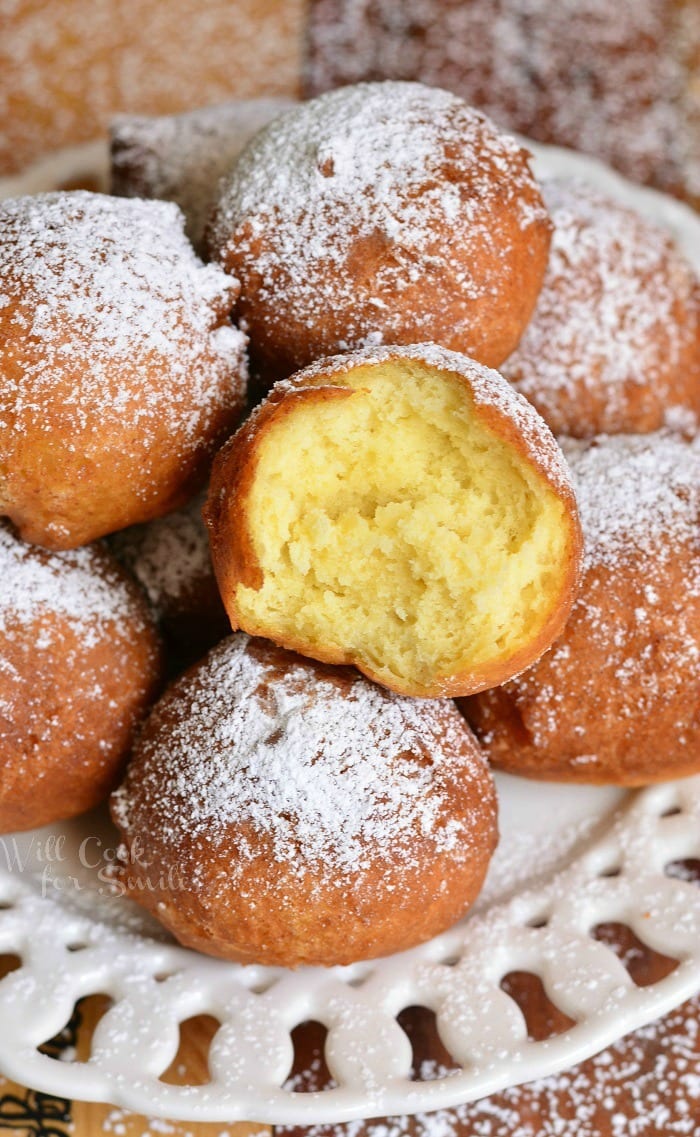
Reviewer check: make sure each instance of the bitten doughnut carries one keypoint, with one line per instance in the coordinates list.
(617, 698)
(183, 157)
(614, 343)
(79, 665)
(283, 812)
(382, 213)
(401, 509)
(120, 371)
(170, 558)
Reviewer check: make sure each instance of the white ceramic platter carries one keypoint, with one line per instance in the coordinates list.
(570, 858)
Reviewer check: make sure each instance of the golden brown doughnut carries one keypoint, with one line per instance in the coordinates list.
(284, 812)
(382, 213)
(614, 343)
(119, 369)
(617, 698)
(171, 560)
(79, 665)
(401, 509)
(183, 157)
(619, 80)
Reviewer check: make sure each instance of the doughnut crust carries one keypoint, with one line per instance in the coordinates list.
(183, 157)
(381, 213)
(80, 664)
(401, 509)
(280, 811)
(617, 80)
(617, 698)
(120, 372)
(614, 343)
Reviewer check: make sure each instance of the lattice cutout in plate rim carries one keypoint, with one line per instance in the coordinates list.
(544, 930)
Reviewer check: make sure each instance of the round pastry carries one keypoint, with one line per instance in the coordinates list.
(79, 666)
(614, 344)
(171, 560)
(120, 371)
(618, 80)
(382, 213)
(617, 698)
(283, 812)
(401, 509)
(182, 158)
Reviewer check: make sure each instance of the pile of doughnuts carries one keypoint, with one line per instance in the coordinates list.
(392, 506)
(619, 81)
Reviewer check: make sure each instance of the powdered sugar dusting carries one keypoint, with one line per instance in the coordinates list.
(169, 556)
(331, 769)
(78, 586)
(614, 80)
(617, 694)
(616, 332)
(114, 282)
(412, 172)
(639, 495)
(182, 158)
(79, 664)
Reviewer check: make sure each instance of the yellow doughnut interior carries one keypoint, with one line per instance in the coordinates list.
(395, 527)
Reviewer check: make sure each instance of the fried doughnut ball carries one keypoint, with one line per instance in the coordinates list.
(120, 372)
(401, 509)
(382, 213)
(183, 157)
(280, 811)
(614, 344)
(80, 664)
(616, 699)
(170, 558)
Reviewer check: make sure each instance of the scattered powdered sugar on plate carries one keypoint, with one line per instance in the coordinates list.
(645, 1085)
(619, 306)
(521, 858)
(330, 768)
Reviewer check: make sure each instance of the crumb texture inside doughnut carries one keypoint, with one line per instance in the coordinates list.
(395, 523)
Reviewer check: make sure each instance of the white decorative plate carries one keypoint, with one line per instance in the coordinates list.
(570, 859)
